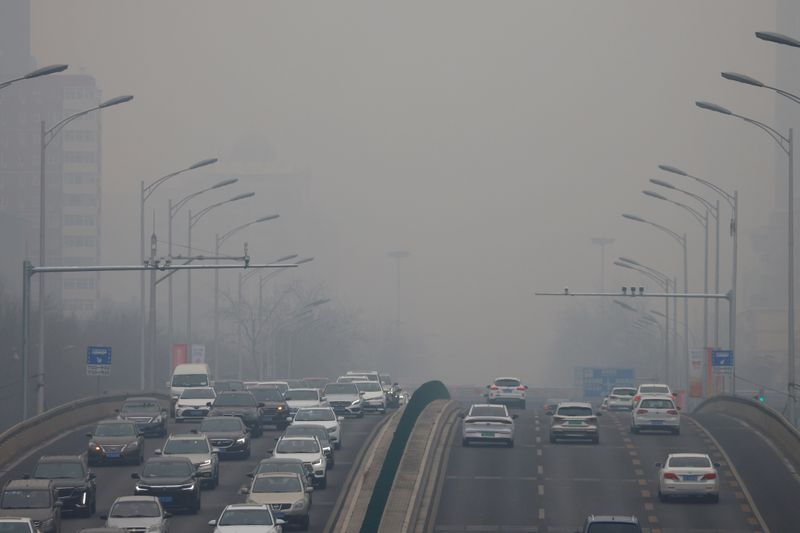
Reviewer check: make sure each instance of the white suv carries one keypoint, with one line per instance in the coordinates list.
(309, 450)
(656, 413)
(508, 391)
(323, 416)
(621, 398)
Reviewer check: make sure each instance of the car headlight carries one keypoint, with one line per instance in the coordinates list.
(154, 527)
(355, 403)
(240, 440)
(299, 504)
(140, 488)
(280, 408)
(332, 430)
(205, 463)
(131, 445)
(190, 486)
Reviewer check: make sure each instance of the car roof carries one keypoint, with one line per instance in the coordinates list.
(169, 459)
(507, 377)
(311, 426)
(492, 405)
(253, 506)
(614, 519)
(278, 474)
(703, 455)
(60, 459)
(653, 385)
(216, 418)
(575, 404)
(657, 397)
(115, 421)
(299, 437)
(280, 460)
(140, 398)
(136, 499)
(623, 387)
(312, 389)
(29, 484)
(187, 436)
(315, 408)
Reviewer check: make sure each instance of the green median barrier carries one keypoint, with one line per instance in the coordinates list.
(424, 395)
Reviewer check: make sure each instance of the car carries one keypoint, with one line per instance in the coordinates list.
(370, 375)
(315, 430)
(574, 420)
(604, 404)
(323, 416)
(317, 383)
(550, 405)
(228, 435)
(187, 375)
(247, 518)
(690, 475)
(137, 513)
(621, 398)
(147, 413)
(373, 399)
(309, 450)
(34, 499)
(280, 385)
(275, 411)
(115, 441)
(192, 404)
(296, 383)
(297, 398)
(285, 464)
(610, 523)
(509, 391)
(652, 389)
(287, 496)
(488, 423)
(656, 413)
(72, 480)
(199, 451)
(102, 530)
(222, 385)
(173, 480)
(344, 399)
(19, 524)
(242, 404)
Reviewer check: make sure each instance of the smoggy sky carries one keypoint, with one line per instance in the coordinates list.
(492, 140)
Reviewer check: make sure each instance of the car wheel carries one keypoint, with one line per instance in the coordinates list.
(337, 446)
(196, 507)
(331, 464)
(522, 404)
(361, 414)
(93, 506)
(465, 443)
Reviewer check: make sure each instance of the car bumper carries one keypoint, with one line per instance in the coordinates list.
(488, 436)
(620, 406)
(274, 419)
(666, 424)
(373, 406)
(506, 399)
(689, 488)
(126, 456)
(232, 450)
(173, 499)
(590, 432)
(76, 501)
(190, 413)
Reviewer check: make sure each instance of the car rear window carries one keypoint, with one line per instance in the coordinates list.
(657, 404)
(575, 411)
(624, 392)
(506, 382)
(654, 389)
(689, 462)
(487, 411)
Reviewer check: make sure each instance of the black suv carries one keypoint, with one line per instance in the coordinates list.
(148, 415)
(172, 480)
(275, 411)
(241, 404)
(228, 434)
(34, 499)
(73, 482)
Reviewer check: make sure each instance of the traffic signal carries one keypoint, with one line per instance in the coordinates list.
(760, 396)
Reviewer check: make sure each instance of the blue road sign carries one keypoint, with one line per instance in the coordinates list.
(722, 358)
(98, 355)
(598, 381)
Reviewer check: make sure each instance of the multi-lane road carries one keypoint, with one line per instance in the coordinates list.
(542, 487)
(114, 481)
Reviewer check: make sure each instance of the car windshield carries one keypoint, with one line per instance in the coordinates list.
(305, 431)
(268, 466)
(244, 399)
(245, 517)
(301, 394)
(311, 415)
(135, 509)
(265, 394)
(65, 470)
(122, 429)
(178, 446)
(181, 469)
(341, 388)
(229, 385)
(654, 389)
(14, 527)
(614, 528)
(487, 410)
(651, 403)
(190, 380)
(198, 394)
(140, 405)
(277, 484)
(507, 382)
(297, 446)
(228, 423)
(575, 411)
(26, 499)
(689, 462)
(624, 392)
(369, 386)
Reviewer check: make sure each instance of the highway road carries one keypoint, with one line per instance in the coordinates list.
(114, 481)
(543, 487)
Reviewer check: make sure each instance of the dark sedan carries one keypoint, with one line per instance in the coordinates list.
(148, 415)
(115, 441)
(275, 411)
(72, 480)
(173, 480)
(240, 404)
(228, 434)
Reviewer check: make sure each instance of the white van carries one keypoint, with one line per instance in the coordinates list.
(186, 376)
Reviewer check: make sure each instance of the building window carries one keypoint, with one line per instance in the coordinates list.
(79, 220)
(80, 158)
(79, 261)
(80, 200)
(78, 283)
(79, 241)
(77, 178)
(78, 306)
(80, 136)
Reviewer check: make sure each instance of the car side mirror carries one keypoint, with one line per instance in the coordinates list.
(26, 476)
(208, 404)
(599, 413)
(92, 475)
(58, 504)
(140, 434)
(157, 451)
(135, 475)
(360, 393)
(280, 522)
(205, 474)
(250, 475)
(679, 408)
(462, 415)
(244, 490)
(89, 435)
(658, 465)
(212, 523)
(167, 514)
(215, 450)
(514, 416)
(526, 387)
(309, 489)
(488, 386)
(116, 410)
(261, 404)
(340, 418)
(103, 516)
(549, 413)
(717, 465)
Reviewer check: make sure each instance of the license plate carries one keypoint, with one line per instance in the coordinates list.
(656, 422)
(690, 478)
(508, 390)
(113, 455)
(574, 422)
(165, 499)
(487, 433)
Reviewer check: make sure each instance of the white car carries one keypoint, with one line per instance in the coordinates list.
(137, 513)
(688, 474)
(198, 450)
(372, 396)
(652, 389)
(193, 403)
(488, 423)
(18, 524)
(297, 398)
(656, 413)
(309, 450)
(621, 399)
(324, 416)
(508, 391)
(247, 518)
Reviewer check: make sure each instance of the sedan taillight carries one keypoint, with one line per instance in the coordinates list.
(670, 475)
(521, 387)
(641, 411)
(672, 412)
(712, 475)
(493, 387)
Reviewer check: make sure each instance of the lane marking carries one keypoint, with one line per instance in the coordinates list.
(538, 440)
(539, 451)
(541, 513)
(540, 470)
(648, 506)
(541, 490)
(652, 519)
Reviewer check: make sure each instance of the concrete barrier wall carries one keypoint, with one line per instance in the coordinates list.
(760, 417)
(54, 422)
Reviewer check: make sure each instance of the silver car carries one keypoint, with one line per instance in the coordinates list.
(247, 517)
(488, 423)
(574, 420)
(137, 513)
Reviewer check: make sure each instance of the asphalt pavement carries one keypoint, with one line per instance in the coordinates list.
(541, 487)
(114, 481)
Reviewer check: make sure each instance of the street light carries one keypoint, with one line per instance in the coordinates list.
(38, 73)
(681, 239)
(786, 143)
(778, 38)
(144, 194)
(47, 136)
